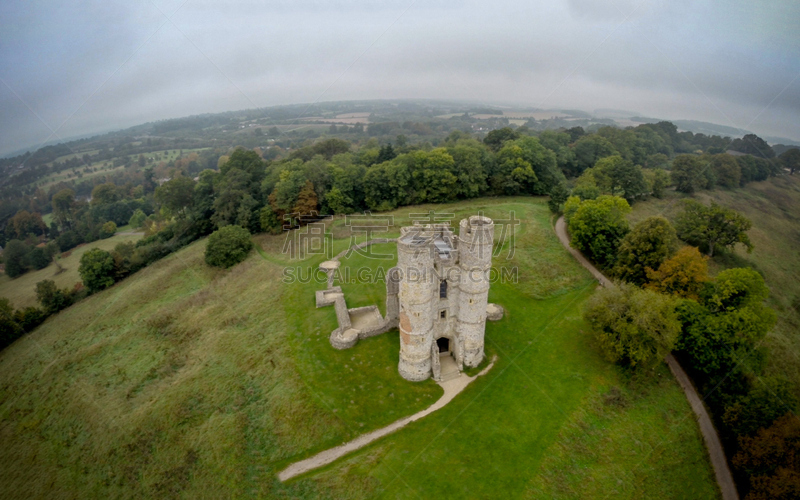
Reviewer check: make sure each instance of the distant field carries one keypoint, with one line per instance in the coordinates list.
(22, 290)
(774, 208)
(183, 380)
(165, 155)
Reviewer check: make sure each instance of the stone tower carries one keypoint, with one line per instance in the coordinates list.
(475, 238)
(415, 262)
(443, 295)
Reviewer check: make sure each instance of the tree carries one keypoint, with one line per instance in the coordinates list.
(766, 402)
(29, 318)
(684, 275)
(63, 203)
(137, 219)
(108, 229)
(149, 183)
(470, 162)
(688, 173)
(176, 195)
(524, 166)
(772, 460)
(14, 256)
(712, 226)
(597, 226)
(24, 223)
(247, 161)
(9, 328)
(660, 182)
(97, 269)
(558, 196)
(726, 170)
(270, 222)
(37, 258)
(228, 246)
(496, 138)
(618, 176)
(386, 153)
(103, 194)
(51, 298)
(651, 242)
(722, 331)
(337, 201)
(588, 150)
(791, 160)
(753, 145)
(633, 327)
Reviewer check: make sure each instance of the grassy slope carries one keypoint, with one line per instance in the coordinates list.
(187, 380)
(774, 208)
(22, 290)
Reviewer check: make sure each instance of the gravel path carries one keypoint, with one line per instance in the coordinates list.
(451, 389)
(710, 437)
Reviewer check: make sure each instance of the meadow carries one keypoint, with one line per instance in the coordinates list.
(188, 381)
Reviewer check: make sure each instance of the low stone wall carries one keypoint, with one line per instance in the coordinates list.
(345, 336)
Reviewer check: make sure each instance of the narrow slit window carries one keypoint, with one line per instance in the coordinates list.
(443, 314)
(443, 289)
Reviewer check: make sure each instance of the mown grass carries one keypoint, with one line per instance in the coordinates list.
(21, 291)
(774, 208)
(188, 381)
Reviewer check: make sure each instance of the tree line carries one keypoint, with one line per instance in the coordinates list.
(665, 301)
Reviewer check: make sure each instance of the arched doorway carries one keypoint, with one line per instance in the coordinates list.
(444, 345)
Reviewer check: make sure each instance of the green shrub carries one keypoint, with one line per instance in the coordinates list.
(97, 269)
(29, 318)
(137, 219)
(228, 246)
(108, 229)
(51, 297)
(633, 327)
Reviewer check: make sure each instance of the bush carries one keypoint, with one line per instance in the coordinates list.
(634, 327)
(683, 275)
(270, 222)
(558, 196)
(650, 243)
(29, 318)
(97, 269)
(597, 226)
(51, 298)
(15, 256)
(9, 329)
(137, 219)
(38, 258)
(228, 246)
(108, 230)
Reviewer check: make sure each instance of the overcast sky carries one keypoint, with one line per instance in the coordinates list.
(77, 67)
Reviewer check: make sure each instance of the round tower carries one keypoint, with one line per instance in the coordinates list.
(475, 238)
(415, 262)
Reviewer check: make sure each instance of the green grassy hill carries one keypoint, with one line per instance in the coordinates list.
(774, 208)
(188, 381)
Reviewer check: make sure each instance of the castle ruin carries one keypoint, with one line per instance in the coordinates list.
(437, 296)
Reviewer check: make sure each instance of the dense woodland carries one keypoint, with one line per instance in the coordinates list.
(178, 181)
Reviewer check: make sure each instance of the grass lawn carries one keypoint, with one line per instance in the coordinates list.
(774, 208)
(183, 380)
(22, 289)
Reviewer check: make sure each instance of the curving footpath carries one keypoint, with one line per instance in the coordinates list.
(715, 452)
(451, 389)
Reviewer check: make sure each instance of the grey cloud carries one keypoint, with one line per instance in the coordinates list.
(716, 61)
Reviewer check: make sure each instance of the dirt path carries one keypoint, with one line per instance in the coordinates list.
(451, 389)
(710, 437)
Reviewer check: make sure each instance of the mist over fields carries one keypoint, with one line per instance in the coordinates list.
(76, 68)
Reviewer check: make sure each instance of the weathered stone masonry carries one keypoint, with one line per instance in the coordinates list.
(437, 296)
